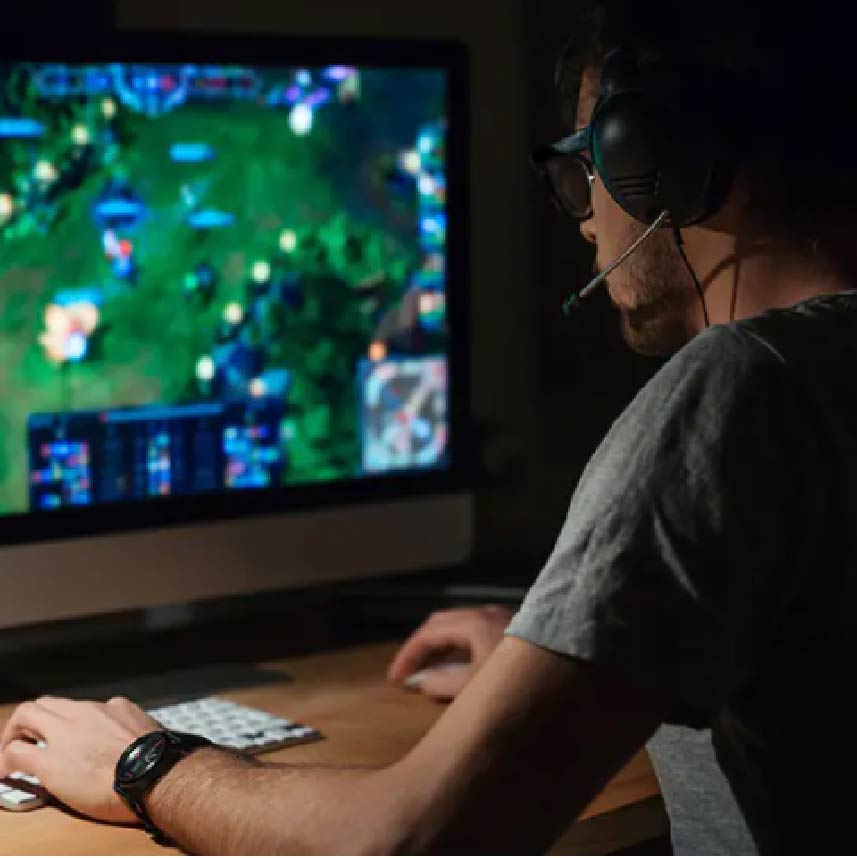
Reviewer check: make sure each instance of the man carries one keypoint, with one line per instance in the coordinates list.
(705, 574)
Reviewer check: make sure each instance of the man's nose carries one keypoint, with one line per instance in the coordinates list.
(587, 230)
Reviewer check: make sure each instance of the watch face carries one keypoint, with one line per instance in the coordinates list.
(143, 758)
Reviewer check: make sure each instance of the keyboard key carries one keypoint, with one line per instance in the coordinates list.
(30, 779)
(18, 799)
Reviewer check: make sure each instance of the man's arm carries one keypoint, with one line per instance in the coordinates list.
(218, 803)
(511, 762)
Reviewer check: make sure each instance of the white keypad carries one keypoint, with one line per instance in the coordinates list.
(232, 725)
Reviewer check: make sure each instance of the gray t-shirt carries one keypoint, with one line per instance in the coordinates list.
(709, 553)
(704, 817)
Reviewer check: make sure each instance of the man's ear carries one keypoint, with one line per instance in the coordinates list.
(590, 86)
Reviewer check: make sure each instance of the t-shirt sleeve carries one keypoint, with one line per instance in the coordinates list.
(680, 527)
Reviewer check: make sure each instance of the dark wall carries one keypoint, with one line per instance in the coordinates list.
(544, 389)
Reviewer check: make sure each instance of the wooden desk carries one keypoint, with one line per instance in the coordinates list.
(365, 721)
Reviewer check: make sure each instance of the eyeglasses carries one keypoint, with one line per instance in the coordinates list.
(567, 173)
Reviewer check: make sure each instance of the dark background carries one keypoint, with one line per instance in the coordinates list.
(545, 389)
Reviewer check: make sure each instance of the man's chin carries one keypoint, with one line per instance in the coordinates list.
(649, 333)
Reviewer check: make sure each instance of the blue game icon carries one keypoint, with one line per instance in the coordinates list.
(54, 80)
(210, 219)
(20, 128)
(118, 206)
(191, 153)
(433, 231)
(403, 406)
(68, 297)
(152, 90)
(430, 146)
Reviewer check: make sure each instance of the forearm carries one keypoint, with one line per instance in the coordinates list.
(215, 802)
(516, 758)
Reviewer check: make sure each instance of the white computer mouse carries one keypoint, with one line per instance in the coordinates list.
(415, 680)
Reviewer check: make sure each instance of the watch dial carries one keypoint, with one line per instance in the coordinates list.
(143, 758)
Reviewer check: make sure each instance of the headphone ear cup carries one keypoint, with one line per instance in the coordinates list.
(652, 156)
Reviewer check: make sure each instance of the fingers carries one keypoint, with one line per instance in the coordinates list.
(445, 684)
(125, 711)
(55, 704)
(411, 652)
(416, 651)
(499, 611)
(30, 721)
(425, 645)
(477, 630)
(21, 756)
(61, 706)
(121, 709)
(130, 715)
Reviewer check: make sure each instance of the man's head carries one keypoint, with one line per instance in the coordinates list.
(651, 290)
(779, 199)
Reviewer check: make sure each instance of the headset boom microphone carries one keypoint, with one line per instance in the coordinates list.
(574, 300)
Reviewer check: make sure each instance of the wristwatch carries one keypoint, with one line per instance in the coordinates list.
(143, 763)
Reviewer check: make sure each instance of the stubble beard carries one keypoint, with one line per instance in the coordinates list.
(653, 296)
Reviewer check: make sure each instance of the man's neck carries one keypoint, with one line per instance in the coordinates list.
(741, 280)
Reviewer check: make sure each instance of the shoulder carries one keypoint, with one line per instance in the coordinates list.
(722, 369)
(772, 353)
(735, 350)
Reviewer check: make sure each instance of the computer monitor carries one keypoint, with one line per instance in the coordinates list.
(232, 318)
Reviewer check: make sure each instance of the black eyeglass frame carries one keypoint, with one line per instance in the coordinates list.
(571, 147)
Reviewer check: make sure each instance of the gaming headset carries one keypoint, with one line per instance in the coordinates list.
(660, 147)
(656, 142)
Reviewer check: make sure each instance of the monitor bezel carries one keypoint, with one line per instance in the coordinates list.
(187, 46)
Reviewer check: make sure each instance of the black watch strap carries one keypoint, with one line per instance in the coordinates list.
(158, 836)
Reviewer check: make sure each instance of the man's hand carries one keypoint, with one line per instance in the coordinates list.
(82, 744)
(475, 631)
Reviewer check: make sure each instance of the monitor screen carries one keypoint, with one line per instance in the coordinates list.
(219, 278)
